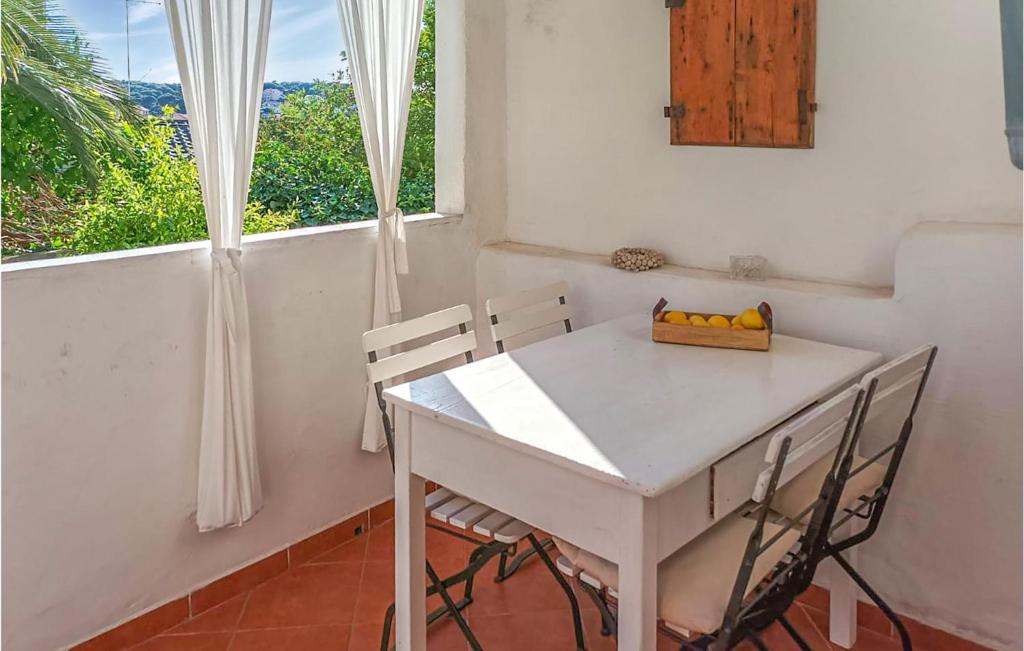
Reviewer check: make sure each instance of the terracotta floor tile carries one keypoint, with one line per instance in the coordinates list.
(815, 597)
(871, 618)
(139, 629)
(310, 595)
(531, 589)
(191, 642)
(381, 546)
(868, 640)
(238, 582)
(328, 539)
(382, 513)
(366, 637)
(537, 631)
(338, 600)
(218, 619)
(306, 638)
(354, 551)
(376, 592)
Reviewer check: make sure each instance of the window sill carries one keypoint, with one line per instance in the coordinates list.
(366, 228)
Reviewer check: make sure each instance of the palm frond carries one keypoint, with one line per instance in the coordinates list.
(45, 59)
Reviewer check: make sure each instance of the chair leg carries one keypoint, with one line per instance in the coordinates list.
(875, 597)
(793, 633)
(518, 559)
(608, 624)
(385, 637)
(577, 620)
(453, 608)
(502, 562)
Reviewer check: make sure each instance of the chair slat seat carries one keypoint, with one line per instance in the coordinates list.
(491, 523)
(512, 532)
(470, 515)
(450, 508)
(438, 497)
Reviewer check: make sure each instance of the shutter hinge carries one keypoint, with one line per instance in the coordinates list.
(678, 111)
(674, 4)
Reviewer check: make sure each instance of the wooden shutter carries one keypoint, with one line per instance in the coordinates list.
(742, 72)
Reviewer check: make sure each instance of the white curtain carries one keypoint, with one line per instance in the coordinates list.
(381, 39)
(221, 49)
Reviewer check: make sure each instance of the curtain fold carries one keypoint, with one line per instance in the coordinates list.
(381, 40)
(221, 48)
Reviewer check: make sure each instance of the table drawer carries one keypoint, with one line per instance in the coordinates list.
(733, 477)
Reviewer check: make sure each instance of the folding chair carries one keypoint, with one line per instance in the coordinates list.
(772, 561)
(897, 385)
(504, 531)
(529, 310)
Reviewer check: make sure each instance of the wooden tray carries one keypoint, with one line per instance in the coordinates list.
(674, 333)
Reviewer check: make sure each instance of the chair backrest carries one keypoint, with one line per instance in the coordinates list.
(828, 429)
(898, 384)
(383, 365)
(528, 310)
(811, 437)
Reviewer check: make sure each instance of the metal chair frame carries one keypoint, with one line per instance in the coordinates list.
(872, 507)
(746, 617)
(480, 556)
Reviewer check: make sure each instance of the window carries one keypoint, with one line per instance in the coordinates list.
(130, 180)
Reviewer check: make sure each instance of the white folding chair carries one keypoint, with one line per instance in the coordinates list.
(528, 311)
(442, 504)
(771, 559)
(893, 388)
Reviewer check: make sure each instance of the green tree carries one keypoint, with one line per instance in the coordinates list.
(57, 88)
(152, 198)
(311, 159)
(59, 115)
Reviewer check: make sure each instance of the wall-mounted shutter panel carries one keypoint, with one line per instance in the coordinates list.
(703, 95)
(743, 73)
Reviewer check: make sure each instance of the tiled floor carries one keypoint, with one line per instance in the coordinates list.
(336, 601)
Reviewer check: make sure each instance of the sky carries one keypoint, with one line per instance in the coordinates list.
(305, 38)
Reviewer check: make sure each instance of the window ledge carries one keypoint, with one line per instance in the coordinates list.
(364, 228)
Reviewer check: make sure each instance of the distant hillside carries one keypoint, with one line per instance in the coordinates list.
(153, 97)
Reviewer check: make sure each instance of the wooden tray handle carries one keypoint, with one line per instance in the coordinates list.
(766, 313)
(658, 307)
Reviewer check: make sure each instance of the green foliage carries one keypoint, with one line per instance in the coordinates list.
(310, 158)
(59, 92)
(154, 200)
(310, 165)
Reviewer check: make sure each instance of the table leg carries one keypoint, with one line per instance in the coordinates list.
(842, 624)
(410, 555)
(638, 576)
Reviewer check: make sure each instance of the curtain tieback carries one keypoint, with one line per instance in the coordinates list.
(391, 229)
(227, 260)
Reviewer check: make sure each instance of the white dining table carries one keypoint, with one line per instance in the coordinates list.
(625, 447)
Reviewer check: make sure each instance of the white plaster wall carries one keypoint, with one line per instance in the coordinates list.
(949, 549)
(910, 129)
(102, 390)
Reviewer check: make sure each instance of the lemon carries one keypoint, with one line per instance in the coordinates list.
(736, 321)
(676, 316)
(751, 319)
(737, 326)
(718, 321)
(698, 320)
